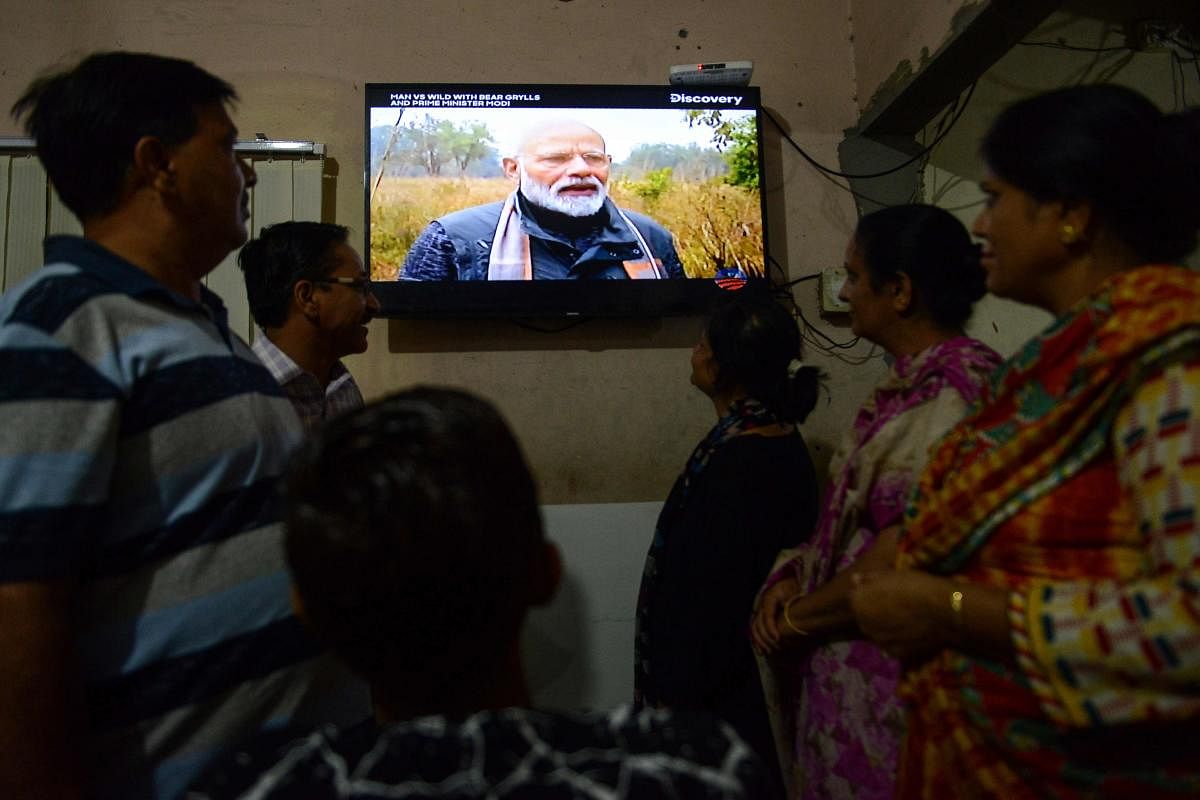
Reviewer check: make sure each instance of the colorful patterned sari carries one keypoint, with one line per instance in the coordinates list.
(1025, 494)
(835, 705)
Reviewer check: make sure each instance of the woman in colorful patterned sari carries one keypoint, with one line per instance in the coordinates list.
(747, 488)
(1046, 597)
(913, 276)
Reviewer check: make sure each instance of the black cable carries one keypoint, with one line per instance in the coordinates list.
(801, 279)
(828, 171)
(783, 285)
(918, 185)
(808, 330)
(1065, 46)
(1184, 45)
(1111, 71)
(774, 262)
(1177, 62)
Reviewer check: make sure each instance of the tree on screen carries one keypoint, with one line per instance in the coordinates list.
(432, 144)
(737, 140)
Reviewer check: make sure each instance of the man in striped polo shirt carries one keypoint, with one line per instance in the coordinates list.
(144, 615)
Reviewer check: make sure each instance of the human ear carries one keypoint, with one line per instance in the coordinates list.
(512, 169)
(304, 298)
(152, 164)
(902, 292)
(1075, 219)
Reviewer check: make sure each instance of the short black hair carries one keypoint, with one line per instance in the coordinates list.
(933, 248)
(281, 255)
(1107, 145)
(754, 341)
(413, 534)
(86, 120)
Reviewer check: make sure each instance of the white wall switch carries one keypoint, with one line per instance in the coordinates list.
(830, 286)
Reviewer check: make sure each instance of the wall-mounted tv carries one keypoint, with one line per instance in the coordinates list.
(558, 200)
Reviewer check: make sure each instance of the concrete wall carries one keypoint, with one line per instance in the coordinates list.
(951, 179)
(894, 39)
(606, 414)
(605, 411)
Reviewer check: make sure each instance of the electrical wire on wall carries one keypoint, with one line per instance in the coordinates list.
(1103, 68)
(960, 106)
(1176, 38)
(814, 336)
(950, 115)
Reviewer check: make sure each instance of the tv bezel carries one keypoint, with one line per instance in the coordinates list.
(563, 298)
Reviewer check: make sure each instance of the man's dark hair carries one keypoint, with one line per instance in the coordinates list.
(87, 120)
(754, 340)
(413, 534)
(281, 255)
(1111, 147)
(931, 247)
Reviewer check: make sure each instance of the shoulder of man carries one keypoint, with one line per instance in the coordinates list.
(487, 212)
(50, 296)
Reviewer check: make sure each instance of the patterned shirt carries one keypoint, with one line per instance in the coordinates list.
(313, 403)
(1113, 652)
(514, 753)
(140, 444)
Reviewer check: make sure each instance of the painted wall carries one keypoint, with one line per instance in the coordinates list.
(605, 410)
(606, 413)
(893, 39)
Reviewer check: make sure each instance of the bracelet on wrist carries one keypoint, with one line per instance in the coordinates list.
(787, 608)
(956, 607)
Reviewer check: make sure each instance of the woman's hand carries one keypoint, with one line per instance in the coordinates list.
(906, 612)
(909, 613)
(768, 630)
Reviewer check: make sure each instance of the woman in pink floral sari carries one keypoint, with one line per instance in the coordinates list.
(913, 276)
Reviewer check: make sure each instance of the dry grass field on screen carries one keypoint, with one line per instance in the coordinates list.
(714, 224)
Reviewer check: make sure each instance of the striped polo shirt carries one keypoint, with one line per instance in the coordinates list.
(140, 446)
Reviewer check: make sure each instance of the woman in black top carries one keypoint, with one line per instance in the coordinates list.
(747, 491)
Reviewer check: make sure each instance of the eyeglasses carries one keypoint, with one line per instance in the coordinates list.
(361, 285)
(561, 159)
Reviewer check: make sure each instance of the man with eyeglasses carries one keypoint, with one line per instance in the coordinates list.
(558, 224)
(312, 299)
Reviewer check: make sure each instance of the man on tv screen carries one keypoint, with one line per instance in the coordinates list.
(558, 224)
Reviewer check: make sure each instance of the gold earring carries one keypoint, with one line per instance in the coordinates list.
(1068, 235)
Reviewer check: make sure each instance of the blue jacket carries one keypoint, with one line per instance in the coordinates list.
(458, 246)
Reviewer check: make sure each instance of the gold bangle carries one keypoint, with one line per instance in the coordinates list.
(956, 603)
(787, 607)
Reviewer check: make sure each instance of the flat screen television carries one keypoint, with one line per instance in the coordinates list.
(634, 200)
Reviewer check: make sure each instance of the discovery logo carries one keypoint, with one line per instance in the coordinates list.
(707, 99)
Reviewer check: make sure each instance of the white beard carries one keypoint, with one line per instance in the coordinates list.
(548, 197)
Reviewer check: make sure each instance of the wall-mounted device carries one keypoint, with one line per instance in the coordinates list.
(830, 287)
(716, 73)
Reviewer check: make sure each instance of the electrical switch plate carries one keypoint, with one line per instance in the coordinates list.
(830, 286)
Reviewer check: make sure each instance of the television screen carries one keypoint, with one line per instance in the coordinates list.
(551, 200)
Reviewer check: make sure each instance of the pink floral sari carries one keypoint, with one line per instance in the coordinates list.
(834, 705)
